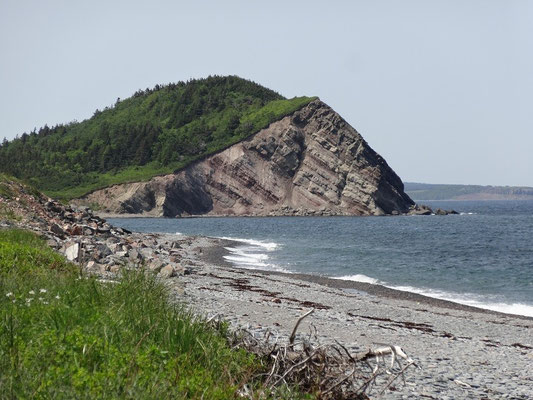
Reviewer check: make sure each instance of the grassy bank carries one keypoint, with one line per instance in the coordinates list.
(62, 336)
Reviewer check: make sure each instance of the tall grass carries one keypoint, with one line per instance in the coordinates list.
(66, 336)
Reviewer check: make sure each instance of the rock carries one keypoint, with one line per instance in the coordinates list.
(156, 265)
(76, 230)
(167, 272)
(103, 229)
(93, 266)
(308, 162)
(72, 252)
(53, 206)
(52, 243)
(420, 210)
(102, 251)
(55, 228)
(133, 254)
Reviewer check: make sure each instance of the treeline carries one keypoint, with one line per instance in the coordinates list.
(154, 131)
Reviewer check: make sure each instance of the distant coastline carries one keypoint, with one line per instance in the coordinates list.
(428, 191)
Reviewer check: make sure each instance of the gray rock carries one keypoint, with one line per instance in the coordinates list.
(102, 251)
(133, 254)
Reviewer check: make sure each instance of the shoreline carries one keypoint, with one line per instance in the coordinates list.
(215, 255)
(463, 351)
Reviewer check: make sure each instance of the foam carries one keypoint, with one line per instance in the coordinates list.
(465, 299)
(358, 278)
(269, 246)
(252, 255)
(471, 300)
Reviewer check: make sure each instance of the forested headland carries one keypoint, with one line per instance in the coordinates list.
(156, 131)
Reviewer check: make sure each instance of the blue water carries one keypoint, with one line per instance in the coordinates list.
(483, 257)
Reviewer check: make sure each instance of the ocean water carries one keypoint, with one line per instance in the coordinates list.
(482, 257)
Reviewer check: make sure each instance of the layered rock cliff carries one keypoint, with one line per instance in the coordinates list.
(309, 163)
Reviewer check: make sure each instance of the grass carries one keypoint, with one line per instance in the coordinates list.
(62, 336)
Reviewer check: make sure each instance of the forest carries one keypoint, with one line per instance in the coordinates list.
(156, 131)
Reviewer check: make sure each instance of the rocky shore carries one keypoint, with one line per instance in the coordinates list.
(462, 352)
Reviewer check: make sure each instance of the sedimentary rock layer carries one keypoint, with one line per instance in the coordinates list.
(309, 163)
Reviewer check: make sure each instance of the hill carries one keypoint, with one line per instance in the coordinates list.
(311, 162)
(156, 131)
(425, 191)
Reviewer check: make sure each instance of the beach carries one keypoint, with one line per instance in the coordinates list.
(461, 351)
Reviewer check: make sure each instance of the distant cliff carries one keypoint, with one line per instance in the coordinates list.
(425, 191)
(311, 162)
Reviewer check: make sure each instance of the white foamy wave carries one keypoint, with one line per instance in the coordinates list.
(252, 254)
(472, 300)
(269, 246)
(465, 299)
(240, 255)
(467, 213)
(358, 278)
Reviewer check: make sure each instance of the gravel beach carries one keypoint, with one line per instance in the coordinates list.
(463, 352)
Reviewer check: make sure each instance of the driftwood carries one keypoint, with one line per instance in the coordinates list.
(328, 370)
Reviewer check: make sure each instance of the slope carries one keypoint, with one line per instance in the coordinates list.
(154, 132)
(311, 162)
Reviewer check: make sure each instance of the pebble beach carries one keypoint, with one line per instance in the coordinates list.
(462, 352)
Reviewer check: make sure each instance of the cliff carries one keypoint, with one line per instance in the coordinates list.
(311, 162)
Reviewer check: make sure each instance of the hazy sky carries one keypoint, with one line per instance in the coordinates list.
(443, 90)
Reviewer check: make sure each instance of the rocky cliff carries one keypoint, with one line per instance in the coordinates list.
(309, 163)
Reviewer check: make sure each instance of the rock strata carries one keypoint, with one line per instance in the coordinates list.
(309, 163)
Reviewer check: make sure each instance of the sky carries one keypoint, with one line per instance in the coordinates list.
(443, 90)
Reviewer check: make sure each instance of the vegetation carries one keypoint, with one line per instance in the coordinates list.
(156, 131)
(62, 336)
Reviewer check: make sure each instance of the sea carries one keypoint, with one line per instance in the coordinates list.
(482, 257)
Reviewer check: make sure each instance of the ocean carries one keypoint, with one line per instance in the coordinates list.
(482, 257)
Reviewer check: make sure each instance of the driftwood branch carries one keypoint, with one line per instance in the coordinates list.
(330, 371)
(293, 334)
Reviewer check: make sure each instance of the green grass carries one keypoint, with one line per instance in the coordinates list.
(256, 120)
(65, 337)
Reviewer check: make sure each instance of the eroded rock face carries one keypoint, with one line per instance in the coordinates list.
(309, 163)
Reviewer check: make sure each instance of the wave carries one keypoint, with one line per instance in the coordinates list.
(269, 246)
(358, 278)
(473, 300)
(467, 299)
(252, 254)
